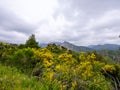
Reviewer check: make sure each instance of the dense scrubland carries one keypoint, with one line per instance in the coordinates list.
(29, 67)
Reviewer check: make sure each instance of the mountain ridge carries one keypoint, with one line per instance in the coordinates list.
(105, 47)
(76, 48)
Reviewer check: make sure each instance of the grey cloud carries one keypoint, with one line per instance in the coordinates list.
(81, 22)
(12, 36)
(91, 6)
(105, 23)
(11, 22)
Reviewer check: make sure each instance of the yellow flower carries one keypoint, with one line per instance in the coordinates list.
(58, 67)
(109, 68)
(48, 63)
(51, 75)
(82, 56)
(93, 56)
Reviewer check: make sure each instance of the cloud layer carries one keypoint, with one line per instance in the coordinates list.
(13, 27)
(82, 22)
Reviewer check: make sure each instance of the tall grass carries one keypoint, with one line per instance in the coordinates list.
(12, 79)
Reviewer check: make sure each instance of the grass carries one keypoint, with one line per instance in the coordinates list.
(12, 79)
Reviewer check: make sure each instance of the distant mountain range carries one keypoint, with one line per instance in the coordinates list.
(105, 47)
(84, 48)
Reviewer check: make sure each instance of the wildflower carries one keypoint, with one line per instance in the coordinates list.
(93, 56)
(51, 75)
(109, 68)
(57, 67)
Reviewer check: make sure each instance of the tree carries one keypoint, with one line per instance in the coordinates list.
(31, 42)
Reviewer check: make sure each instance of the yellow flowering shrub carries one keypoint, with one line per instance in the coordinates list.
(93, 56)
(87, 57)
(66, 59)
(40, 54)
(86, 70)
(44, 56)
(82, 56)
(109, 68)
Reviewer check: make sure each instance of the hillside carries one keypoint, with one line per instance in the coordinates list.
(105, 47)
(75, 48)
(30, 67)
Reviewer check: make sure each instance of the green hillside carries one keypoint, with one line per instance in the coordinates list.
(29, 67)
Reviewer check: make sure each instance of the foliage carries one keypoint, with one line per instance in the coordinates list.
(12, 79)
(56, 68)
(22, 59)
(113, 73)
(31, 42)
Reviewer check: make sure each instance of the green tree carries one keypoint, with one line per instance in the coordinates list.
(31, 42)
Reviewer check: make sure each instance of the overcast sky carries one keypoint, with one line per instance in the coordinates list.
(81, 22)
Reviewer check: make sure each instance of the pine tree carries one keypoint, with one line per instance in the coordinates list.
(31, 42)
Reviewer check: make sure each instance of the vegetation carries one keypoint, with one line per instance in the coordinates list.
(31, 43)
(12, 79)
(28, 67)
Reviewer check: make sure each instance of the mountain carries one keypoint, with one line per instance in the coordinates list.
(105, 47)
(74, 47)
(68, 46)
(45, 44)
(84, 48)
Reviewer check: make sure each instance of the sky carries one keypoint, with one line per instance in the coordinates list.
(81, 22)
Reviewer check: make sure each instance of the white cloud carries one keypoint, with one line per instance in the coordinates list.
(106, 20)
(12, 36)
(53, 29)
(81, 22)
(31, 10)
